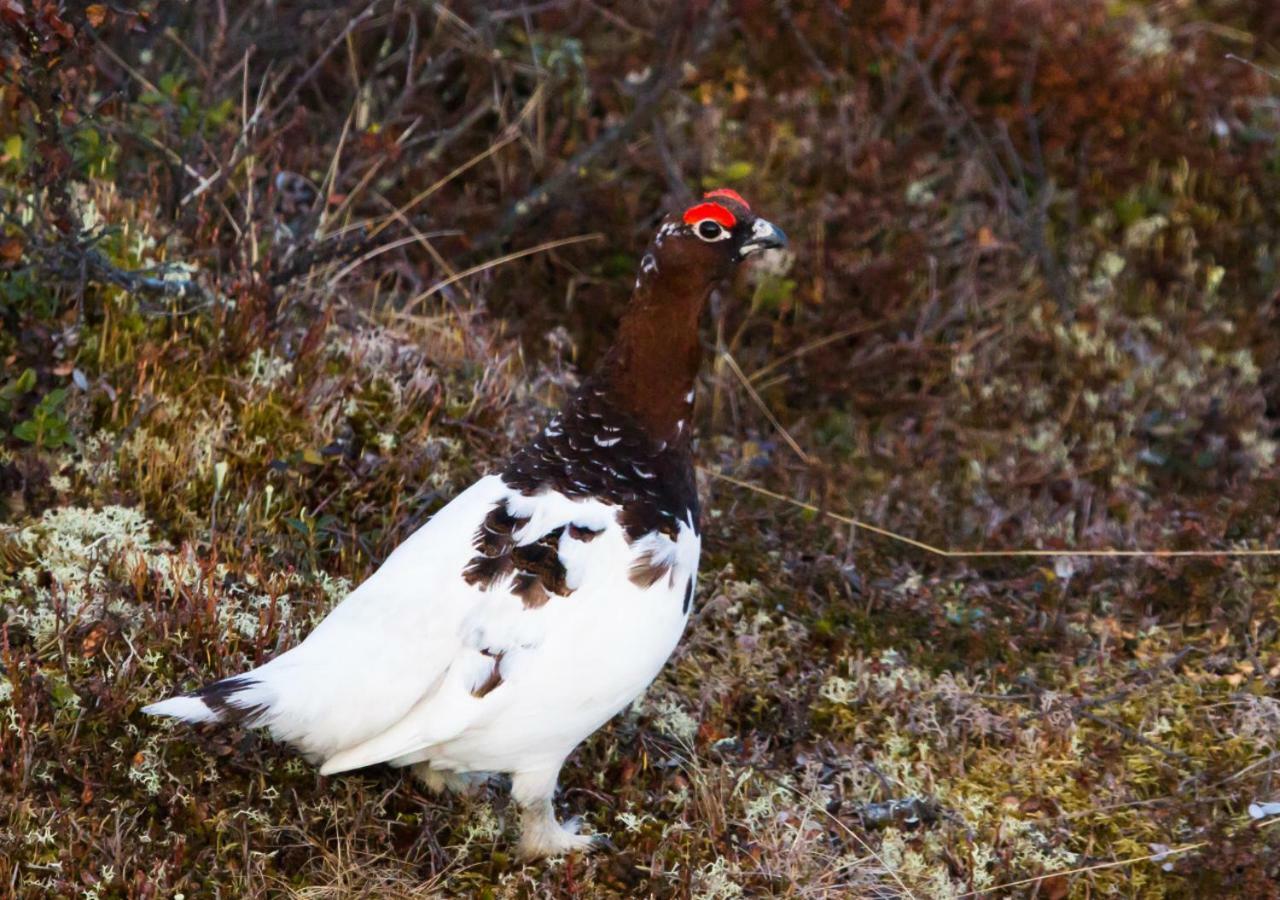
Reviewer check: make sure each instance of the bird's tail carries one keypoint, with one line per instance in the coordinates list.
(236, 699)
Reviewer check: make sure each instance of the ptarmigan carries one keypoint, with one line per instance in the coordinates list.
(543, 599)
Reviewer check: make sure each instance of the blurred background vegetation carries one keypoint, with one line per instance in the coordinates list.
(277, 279)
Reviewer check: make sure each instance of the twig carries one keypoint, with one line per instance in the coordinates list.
(1266, 760)
(817, 344)
(260, 114)
(1253, 65)
(426, 244)
(511, 132)
(1081, 709)
(406, 313)
(1110, 864)
(845, 828)
(480, 157)
(1029, 212)
(313, 255)
(759, 402)
(1132, 735)
(320, 60)
(653, 92)
(676, 183)
(973, 554)
(136, 282)
(414, 238)
(240, 150)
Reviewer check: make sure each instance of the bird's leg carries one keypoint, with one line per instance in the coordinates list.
(437, 781)
(540, 833)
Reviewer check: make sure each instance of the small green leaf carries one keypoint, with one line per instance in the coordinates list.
(27, 431)
(52, 400)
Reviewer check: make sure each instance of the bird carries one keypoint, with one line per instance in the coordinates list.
(543, 599)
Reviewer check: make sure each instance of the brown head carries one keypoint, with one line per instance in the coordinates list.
(700, 246)
(653, 364)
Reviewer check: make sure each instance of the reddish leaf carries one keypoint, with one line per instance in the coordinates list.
(10, 250)
(62, 28)
(1055, 887)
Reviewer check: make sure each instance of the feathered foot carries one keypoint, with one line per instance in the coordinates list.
(440, 780)
(540, 834)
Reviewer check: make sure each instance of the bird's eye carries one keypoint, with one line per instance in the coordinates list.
(710, 231)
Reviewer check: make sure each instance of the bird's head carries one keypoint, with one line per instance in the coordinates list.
(653, 364)
(704, 242)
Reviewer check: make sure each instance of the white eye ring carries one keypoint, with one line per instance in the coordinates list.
(706, 234)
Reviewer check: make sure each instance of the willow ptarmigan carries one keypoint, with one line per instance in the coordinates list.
(543, 599)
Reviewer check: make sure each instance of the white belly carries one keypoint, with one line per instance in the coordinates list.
(598, 653)
(426, 663)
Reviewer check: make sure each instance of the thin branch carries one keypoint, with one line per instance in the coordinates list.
(975, 554)
(1111, 864)
(816, 344)
(653, 92)
(454, 173)
(1029, 212)
(406, 313)
(809, 801)
(759, 402)
(1253, 65)
(414, 238)
(320, 60)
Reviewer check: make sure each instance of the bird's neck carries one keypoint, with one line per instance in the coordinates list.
(650, 371)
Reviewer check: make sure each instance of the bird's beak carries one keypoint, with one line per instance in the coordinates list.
(764, 236)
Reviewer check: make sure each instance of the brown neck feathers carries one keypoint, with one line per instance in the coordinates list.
(650, 371)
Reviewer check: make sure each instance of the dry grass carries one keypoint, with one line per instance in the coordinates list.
(288, 276)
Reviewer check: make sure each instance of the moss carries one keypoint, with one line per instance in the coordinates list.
(231, 457)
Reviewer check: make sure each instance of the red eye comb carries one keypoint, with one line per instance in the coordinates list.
(713, 211)
(728, 195)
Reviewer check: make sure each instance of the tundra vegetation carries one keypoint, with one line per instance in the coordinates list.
(258, 321)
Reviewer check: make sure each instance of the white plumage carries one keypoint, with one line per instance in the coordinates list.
(392, 673)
